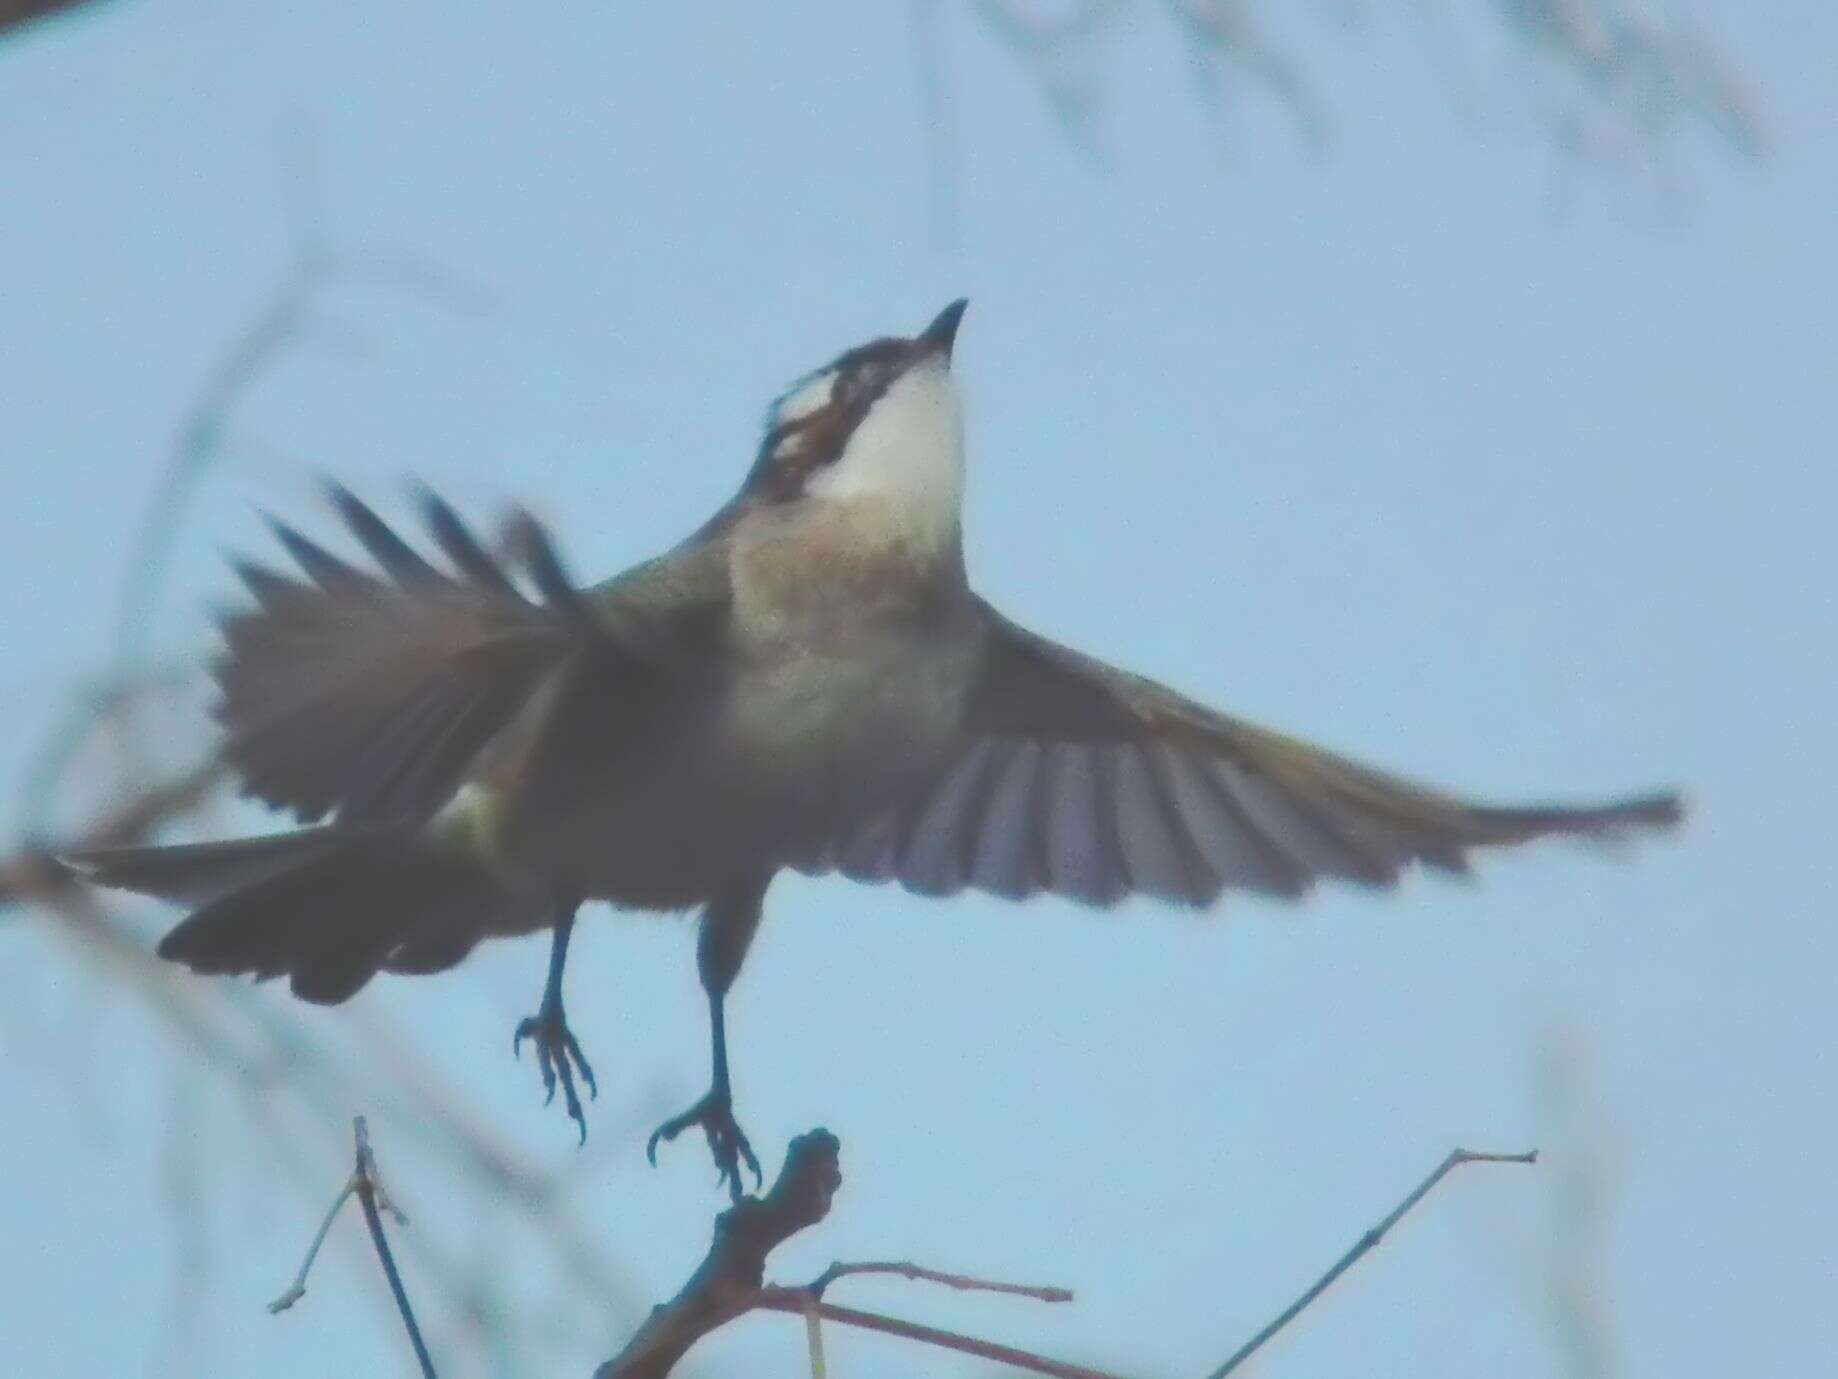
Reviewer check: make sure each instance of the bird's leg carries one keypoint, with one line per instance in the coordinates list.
(727, 1142)
(558, 1052)
(728, 925)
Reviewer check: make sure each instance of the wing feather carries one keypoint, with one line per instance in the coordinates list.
(1083, 780)
(371, 695)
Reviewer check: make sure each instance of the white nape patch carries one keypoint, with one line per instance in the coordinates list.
(907, 453)
(802, 398)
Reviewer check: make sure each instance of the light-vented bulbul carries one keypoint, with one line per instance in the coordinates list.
(807, 682)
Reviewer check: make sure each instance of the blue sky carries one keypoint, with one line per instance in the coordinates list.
(1371, 448)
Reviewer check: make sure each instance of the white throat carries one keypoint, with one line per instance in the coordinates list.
(904, 465)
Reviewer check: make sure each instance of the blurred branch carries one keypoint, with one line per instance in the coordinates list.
(1225, 42)
(1563, 1261)
(1611, 82)
(35, 874)
(287, 1078)
(1457, 1157)
(938, 117)
(1060, 49)
(287, 315)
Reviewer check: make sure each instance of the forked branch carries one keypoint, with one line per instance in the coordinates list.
(365, 1185)
(729, 1283)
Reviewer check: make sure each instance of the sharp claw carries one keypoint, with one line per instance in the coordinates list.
(573, 1103)
(586, 1068)
(558, 1055)
(727, 1143)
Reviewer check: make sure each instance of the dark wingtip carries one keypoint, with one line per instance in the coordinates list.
(320, 565)
(459, 545)
(529, 540)
(267, 587)
(1665, 809)
(400, 560)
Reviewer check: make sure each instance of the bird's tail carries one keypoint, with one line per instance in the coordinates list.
(326, 907)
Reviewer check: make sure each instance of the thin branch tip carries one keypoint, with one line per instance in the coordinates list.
(365, 1185)
(1367, 1242)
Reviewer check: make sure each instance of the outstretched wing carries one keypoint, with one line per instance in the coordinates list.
(371, 693)
(1076, 778)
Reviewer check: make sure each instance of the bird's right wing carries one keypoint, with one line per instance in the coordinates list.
(371, 694)
(1076, 778)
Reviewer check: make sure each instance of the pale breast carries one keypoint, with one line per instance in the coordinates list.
(849, 676)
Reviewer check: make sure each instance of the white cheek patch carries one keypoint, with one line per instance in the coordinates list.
(803, 398)
(907, 453)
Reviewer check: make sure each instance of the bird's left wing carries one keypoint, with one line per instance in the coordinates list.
(371, 693)
(1076, 778)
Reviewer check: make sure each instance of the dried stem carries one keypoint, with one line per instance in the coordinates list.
(728, 1282)
(962, 1282)
(365, 1185)
(375, 1201)
(297, 1289)
(1457, 1157)
(795, 1301)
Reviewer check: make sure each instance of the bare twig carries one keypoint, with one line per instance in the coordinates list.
(297, 1289)
(728, 1283)
(813, 1338)
(365, 1185)
(793, 1300)
(962, 1282)
(375, 1201)
(1457, 1157)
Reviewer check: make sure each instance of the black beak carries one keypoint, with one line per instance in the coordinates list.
(938, 337)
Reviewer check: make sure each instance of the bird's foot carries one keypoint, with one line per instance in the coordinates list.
(727, 1142)
(558, 1057)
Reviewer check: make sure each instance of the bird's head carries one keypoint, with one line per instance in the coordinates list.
(880, 424)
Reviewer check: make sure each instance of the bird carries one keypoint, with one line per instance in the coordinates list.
(476, 746)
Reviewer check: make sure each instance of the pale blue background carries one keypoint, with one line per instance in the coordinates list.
(1372, 449)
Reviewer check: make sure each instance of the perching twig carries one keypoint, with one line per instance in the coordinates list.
(365, 1185)
(729, 1281)
(1457, 1157)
